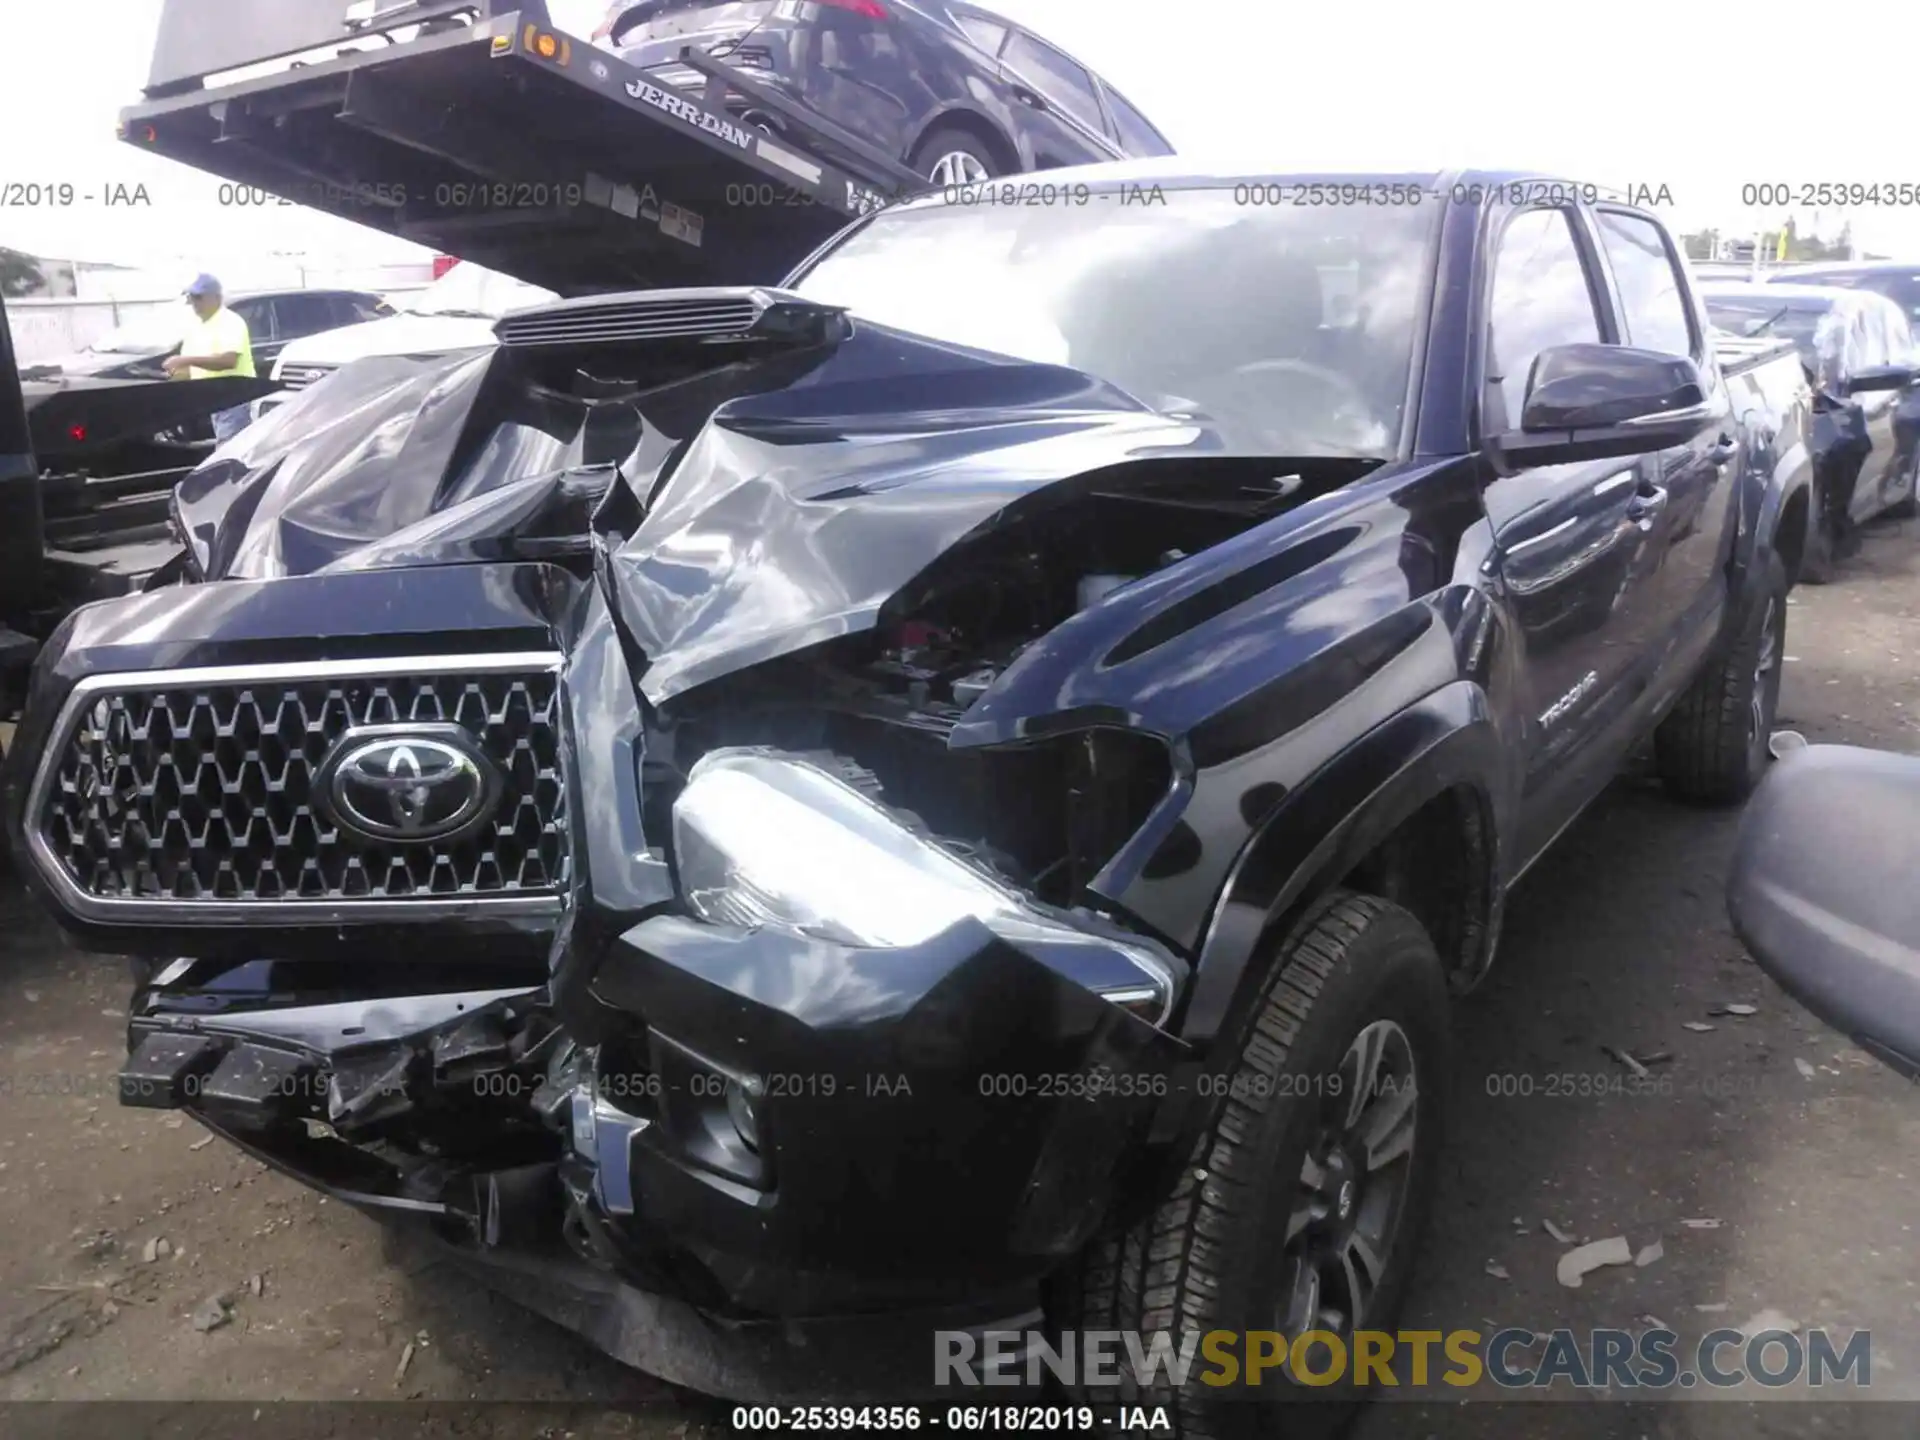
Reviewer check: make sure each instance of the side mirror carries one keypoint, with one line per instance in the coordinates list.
(1594, 402)
(1881, 377)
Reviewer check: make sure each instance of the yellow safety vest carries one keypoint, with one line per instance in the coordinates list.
(218, 333)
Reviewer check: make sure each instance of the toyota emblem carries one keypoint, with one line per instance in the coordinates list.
(407, 783)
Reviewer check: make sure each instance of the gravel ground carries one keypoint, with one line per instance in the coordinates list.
(1619, 938)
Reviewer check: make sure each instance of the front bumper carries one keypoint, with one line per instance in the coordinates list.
(937, 1128)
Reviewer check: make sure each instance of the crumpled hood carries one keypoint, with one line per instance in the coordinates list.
(786, 497)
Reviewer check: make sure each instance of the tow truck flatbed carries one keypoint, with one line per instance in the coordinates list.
(477, 129)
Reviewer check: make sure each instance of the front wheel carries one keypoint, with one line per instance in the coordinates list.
(1302, 1205)
(1713, 748)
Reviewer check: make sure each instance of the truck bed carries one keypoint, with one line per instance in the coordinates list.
(501, 140)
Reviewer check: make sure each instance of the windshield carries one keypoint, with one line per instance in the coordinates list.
(475, 291)
(1813, 329)
(1291, 328)
(148, 334)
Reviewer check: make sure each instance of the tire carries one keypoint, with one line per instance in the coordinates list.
(950, 148)
(1712, 749)
(1215, 1254)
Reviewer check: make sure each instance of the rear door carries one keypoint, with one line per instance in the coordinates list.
(1691, 526)
(261, 332)
(1570, 548)
(1066, 122)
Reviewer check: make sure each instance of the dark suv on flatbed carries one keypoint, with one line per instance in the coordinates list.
(956, 93)
(809, 817)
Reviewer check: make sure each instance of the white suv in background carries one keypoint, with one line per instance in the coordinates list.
(455, 312)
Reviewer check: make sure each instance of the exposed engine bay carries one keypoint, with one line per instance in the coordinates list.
(1045, 815)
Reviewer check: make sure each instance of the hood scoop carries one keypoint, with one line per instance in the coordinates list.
(719, 315)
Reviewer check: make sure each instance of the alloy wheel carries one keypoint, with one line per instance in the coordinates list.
(957, 167)
(1348, 1204)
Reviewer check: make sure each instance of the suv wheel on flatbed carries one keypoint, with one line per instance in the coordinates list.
(1713, 747)
(950, 156)
(1302, 1204)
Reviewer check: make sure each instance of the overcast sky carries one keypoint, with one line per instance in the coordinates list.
(1701, 99)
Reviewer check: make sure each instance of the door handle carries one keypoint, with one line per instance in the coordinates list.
(1724, 449)
(1647, 503)
(1032, 99)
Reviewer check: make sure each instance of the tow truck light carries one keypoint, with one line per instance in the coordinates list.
(547, 45)
(871, 9)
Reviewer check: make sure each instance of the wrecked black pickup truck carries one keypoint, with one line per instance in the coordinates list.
(779, 822)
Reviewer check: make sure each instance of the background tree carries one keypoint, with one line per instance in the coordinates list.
(19, 274)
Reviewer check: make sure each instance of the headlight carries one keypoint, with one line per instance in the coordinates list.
(761, 840)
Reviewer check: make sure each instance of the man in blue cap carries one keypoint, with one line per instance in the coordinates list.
(217, 346)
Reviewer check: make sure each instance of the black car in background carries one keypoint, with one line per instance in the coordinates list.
(955, 92)
(133, 351)
(1899, 281)
(1859, 350)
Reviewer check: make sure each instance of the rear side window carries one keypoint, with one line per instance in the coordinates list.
(303, 315)
(1650, 290)
(1136, 136)
(1540, 299)
(259, 317)
(1058, 78)
(985, 33)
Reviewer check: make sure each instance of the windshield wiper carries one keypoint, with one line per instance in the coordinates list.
(459, 314)
(1768, 323)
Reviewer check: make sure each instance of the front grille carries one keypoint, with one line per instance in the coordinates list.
(198, 787)
(298, 377)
